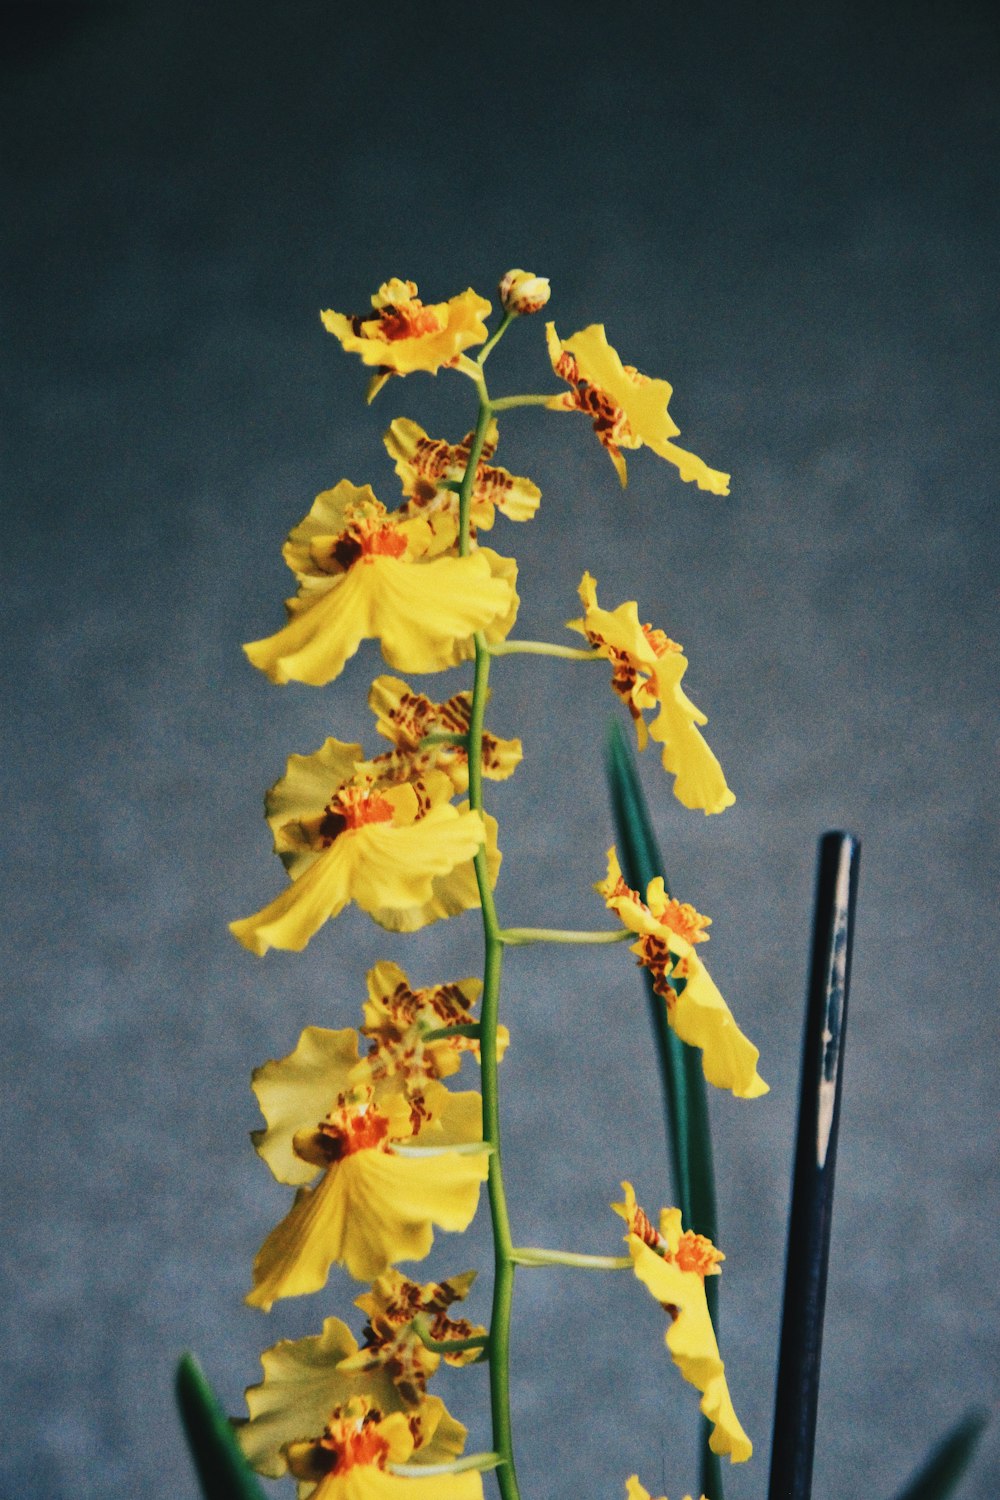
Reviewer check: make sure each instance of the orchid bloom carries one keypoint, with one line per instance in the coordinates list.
(403, 334)
(667, 932)
(672, 1265)
(628, 409)
(430, 468)
(351, 1458)
(407, 719)
(306, 1379)
(365, 573)
(401, 851)
(647, 671)
(372, 1205)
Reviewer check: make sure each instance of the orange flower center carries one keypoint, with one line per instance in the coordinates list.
(348, 1444)
(348, 1128)
(406, 318)
(680, 917)
(362, 540)
(659, 640)
(350, 808)
(696, 1253)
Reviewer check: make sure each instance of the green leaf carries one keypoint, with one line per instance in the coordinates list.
(222, 1470)
(948, 1461)
(685, 1098)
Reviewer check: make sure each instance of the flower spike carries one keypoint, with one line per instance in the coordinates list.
(628, 409)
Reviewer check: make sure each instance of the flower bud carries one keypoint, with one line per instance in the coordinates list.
(521, 292)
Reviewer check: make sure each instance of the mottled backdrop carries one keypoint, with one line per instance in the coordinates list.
(788, 210)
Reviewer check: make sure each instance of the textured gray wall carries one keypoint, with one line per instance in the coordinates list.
(791, 212)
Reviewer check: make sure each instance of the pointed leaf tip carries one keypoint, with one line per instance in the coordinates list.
(945, 1465)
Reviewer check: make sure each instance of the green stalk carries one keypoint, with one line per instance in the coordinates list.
(545, 648)
(517, 937)
(503, 1278)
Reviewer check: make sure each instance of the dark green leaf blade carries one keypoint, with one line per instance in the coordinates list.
(946, 1464)
(223, 1472)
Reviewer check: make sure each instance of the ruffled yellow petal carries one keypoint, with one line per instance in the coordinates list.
(424, 614)
(401, 874)
(377, 1484)
(699, 778)
(451, 893)
(701, 1018)
(403, 334)
(369, 1211)
(295, 1090)
(628, 409)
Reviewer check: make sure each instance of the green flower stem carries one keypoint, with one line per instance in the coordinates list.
(507, 403)
(517, 937)
(441, 737)
(495, 338)
(461, 1028)
(503, 1277)
(448, 1346)
(544, 648)
(529, 1255)
(466, 486)
(479, 1461)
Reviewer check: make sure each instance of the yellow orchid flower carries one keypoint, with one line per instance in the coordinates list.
(424, 464)
(306, 1379)
(628, 410)
(367, 574)
(398, 1020)
(372, 1206)
(636, 1491)
(402, 852)
(406, 718)
(393, 1348)
(647, 671)
(403, 334)
(672, 1264)
(667, 931)
(350, 1459)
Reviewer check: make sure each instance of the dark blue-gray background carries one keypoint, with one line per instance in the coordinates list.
(789, 211)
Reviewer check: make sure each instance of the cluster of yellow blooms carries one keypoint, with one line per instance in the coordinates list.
(380, 1151)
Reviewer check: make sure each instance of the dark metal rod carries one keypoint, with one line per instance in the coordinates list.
(815, 1161)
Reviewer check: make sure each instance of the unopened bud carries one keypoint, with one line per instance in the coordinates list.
(521, 292)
